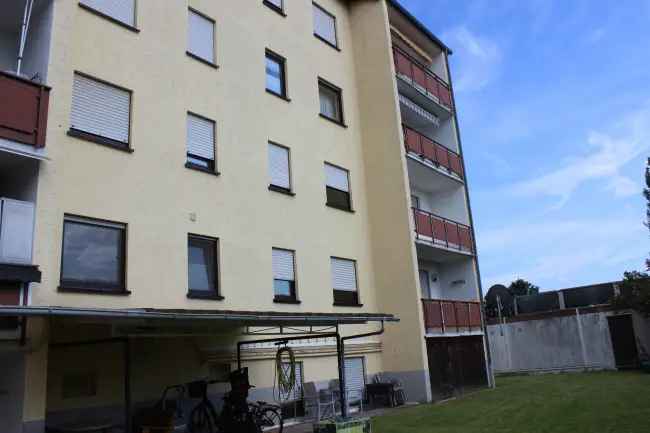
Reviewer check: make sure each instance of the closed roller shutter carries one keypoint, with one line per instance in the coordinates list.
(344, 275)
(200, 36)
(324, 25)
(100, 109)
(16, 231)
(283, 266)
(200, 137)
(279, 166)
(121, 10)
(355, 378)
(337, 178)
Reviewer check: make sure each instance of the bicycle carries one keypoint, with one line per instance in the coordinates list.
(267, 415)
(203, 418)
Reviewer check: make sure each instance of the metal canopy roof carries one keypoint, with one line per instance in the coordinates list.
(244, 318)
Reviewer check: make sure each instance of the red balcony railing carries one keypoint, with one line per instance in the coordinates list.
(441, 231)
(422, 77)
(23, 110)
(451, 316)
(432, 151)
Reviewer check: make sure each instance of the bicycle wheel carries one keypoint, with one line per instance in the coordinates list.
(202, 420)
(270, 417)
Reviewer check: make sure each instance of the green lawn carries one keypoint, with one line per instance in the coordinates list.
(572, 403)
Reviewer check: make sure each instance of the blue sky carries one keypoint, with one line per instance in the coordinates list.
(553, 100)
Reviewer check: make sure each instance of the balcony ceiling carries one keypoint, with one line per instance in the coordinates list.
(11, 17)
(428, 179)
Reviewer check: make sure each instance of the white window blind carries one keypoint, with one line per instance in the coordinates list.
(296, 392)
(121, 10)
(100, 109)
(279, 166)
(337, 178)
(200, 36)
(200, 137)
(344, 275)
(324, 25)
(16, 231)
(283, 265)
(355, 379)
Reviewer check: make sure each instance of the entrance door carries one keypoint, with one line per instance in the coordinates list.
(621, 329)
(12, 381)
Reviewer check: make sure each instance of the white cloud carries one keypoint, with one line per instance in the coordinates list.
(608, 154)
(560, 252)
(478, 59)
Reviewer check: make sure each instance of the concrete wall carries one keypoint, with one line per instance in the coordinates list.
(552, 344)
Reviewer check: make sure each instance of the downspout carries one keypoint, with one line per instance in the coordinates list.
(27, 15)
(344, 407)
(488, 358)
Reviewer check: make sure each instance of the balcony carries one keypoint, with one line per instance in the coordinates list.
(442, 233)
(445, 317)
(433, 154)
(421, 85)
(23, 115)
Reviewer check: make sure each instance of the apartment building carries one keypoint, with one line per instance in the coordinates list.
(177, 177)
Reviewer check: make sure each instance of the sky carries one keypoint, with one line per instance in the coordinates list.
(553, 100)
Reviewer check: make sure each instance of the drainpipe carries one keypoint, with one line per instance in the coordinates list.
(344, 406)
(486, 343)
(27, 15)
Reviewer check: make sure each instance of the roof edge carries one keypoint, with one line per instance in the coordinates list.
(419, 25)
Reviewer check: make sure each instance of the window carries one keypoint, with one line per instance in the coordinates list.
(324, 26)
(337, 187)
(295, 393)
(276, 5)
(344, 282)
(200, 37)
(415, 201)
(202, 267)
(279, 173)
(284, 279)
(200, 143)
(94, 255)
(100, 112)
(275, 74)
(331, 106)
(121, 11)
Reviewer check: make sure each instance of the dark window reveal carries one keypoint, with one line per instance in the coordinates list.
(275, 74)
(337, 185)
(202, 266)
(94, 254)
(331, 106)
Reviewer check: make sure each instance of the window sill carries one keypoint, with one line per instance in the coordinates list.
(202, 60)
(344, 209)
(196, 294)
(322, 39)
(98, 139)
(109, 18)
(274, 8)
(201, 169)
(283, 97)
(282, 190)
(93, 291)
(340, 304)
(278, 300)
(336, 122)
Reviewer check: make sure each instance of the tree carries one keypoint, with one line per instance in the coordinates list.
(634, 293)
(521, 287)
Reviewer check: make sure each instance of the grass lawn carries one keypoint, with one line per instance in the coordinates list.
(572, 403)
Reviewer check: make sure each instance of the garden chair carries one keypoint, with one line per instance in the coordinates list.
(321, 401)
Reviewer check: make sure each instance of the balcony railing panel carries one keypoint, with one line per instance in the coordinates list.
(445, 316)
(434, 152)
(16, 231)
(23, 111)
(422, 77)
(441, 231)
